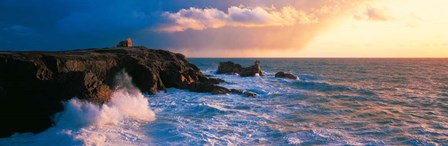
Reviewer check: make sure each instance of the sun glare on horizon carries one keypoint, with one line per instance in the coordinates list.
(407, 28)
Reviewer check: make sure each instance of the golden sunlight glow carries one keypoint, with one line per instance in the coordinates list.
(370, 28)
(402, 28)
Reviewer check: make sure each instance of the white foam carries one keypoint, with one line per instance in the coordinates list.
(84, 123)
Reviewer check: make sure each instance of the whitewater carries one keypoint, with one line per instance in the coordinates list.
(334, 102)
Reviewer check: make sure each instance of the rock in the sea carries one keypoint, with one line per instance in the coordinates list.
(252, 70)
(236, 91)
(33, 85)
(250, 94)
(207, 87)
(233, 68)
(286, 75)
(245, 93)
(215, 80)
(229, 68)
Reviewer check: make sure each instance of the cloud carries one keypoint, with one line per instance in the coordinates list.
(236, 16)
(226, 26)
(230, 34)
(374, 14)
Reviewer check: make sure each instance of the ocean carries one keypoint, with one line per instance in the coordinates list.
(334, 102)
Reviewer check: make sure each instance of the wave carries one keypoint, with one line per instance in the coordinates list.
(83, 123)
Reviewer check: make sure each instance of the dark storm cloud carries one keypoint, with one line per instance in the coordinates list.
(35, 24)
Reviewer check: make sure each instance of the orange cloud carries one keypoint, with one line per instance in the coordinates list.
(280, 29)
(375, 14)
(236, 16)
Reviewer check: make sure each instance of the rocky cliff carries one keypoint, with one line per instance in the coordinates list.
(33, 85)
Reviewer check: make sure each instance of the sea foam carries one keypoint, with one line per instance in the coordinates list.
(84, 123)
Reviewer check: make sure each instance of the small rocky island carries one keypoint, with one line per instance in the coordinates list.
(286, 75)
(233, 68)
(33, 85)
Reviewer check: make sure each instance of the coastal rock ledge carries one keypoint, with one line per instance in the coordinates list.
(33, 85)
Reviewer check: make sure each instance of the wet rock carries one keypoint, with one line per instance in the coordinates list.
(207, 87)
(236, 91)
(252, 70)
(215, 80)
(285, 75)
(220, 90)
(245, 93)
(250, 94)
(33, 85)
(209, 76)
(229, 68)
(232, 68)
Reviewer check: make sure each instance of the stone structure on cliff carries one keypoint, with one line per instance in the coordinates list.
(125, 43)
(233, 68)
(33, 85)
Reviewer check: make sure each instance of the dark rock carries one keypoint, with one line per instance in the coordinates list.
(250, 94)
(236, 91)
(2, 92)
(245, 93)
(229, 68)
(220, 90)
(33, 85)
(252, 70)
(232, 68)
(286, 75)
(215, 80)
(207, 87)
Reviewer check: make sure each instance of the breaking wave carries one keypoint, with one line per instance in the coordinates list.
(84, 123)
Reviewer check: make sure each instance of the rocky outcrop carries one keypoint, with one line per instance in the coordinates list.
(214, 89)
(285, 75)
(250, 94)
(229, 68)
(245, 93)
(233, 68)
(33, 85)
(207, 87)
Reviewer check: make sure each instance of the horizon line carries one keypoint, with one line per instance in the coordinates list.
(318, 57)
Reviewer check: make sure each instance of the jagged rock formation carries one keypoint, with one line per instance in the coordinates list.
(233, 68)
(33, 85)
(229, 68)
(285, 75)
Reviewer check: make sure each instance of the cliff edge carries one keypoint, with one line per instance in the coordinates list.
(33, 85)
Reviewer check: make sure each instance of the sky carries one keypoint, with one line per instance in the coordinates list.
(232, 28)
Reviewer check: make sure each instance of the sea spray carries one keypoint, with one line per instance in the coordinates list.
(84, 123)
(134, 105)
(126, 102)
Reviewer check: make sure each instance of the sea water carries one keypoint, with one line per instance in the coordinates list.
(334, 102)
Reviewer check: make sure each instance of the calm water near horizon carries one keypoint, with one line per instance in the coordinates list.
(335, 102)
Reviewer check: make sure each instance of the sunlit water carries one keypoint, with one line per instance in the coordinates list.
(335, 102)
